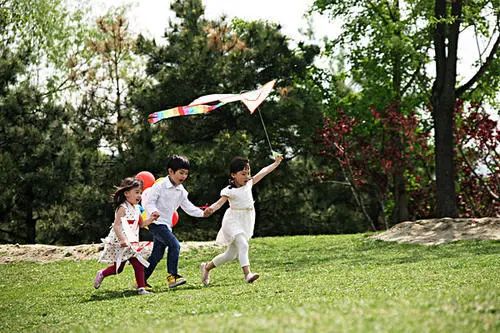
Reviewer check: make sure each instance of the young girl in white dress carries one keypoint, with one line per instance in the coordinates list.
(239, 219)
(122, 243)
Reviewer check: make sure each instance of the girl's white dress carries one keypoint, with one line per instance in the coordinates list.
(113, 252)
(240, 216)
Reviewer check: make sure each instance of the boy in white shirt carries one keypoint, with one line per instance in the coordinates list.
(164, 198)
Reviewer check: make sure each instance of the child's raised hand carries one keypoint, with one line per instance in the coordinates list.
(278, 158)
(155, 215)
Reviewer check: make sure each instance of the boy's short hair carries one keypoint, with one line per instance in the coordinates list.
(176, 162)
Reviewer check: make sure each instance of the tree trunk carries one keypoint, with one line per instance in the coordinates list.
(443, 103)
(400, 212)
(29, 220)
(446, 205)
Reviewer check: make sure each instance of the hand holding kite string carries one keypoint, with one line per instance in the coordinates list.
(252, 99)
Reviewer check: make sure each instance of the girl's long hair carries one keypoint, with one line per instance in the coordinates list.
(126, 185)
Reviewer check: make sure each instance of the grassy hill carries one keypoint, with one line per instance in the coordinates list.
(343, 283)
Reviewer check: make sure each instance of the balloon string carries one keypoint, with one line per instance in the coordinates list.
(265, 130)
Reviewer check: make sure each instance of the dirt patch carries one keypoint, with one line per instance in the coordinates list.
(440, 231)
(47, 253)
(427, 232)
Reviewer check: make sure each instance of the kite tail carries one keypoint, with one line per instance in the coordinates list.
(188, 110)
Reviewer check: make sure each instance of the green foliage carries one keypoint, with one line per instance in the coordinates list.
(204, 57)
(67, 139)
(105, 136)
(382, 54)
(308, 284)
(383, 51)
(49, 162)
(47, 34)
(36, 158)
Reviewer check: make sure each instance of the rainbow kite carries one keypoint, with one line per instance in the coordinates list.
(251, 99)
(155, 117)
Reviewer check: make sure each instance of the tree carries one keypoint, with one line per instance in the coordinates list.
(386, 52)
(35, 159)
(478, 163)
(203, 57)
(33, 138)
(110, 68)
(394, 37)
(448, 18)
(368, 159)
(48, 163)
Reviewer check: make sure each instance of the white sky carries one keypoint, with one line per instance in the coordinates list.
(150, 17)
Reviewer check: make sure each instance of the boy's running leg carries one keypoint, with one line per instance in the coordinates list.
(174, 248)
(159, 245)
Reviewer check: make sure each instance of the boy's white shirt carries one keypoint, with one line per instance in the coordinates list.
(173, 197)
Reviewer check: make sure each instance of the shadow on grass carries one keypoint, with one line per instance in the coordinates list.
(105, 295)
(111, 294)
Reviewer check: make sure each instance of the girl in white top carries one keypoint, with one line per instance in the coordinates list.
(239, 219)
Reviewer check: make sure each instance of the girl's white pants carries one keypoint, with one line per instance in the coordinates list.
(237, 249)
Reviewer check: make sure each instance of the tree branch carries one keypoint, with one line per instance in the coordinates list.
(377, 11)
(414, 75)
(480, 179)
(461, 90)
(357, 196)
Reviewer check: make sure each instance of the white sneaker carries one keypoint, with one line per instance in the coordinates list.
(98, 279)
(205, 278)
(142, 291)
(251, 277)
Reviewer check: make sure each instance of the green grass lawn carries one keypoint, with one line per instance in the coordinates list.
(308, 284)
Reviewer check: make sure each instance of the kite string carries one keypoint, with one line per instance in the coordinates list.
(265, 130)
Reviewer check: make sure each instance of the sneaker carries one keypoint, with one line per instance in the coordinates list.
(143, 291)
(205, 278)
(98, 279)
(175, 280)
(251, 277)
(148, 287)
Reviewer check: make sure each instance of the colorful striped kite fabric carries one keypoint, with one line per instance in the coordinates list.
(155, 117)
(252, 99)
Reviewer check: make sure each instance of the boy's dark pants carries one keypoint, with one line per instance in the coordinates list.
(163, 238)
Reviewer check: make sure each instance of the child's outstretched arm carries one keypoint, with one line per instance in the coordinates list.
(117, 226)
(268, 169)
(218, 204)
(190, 208)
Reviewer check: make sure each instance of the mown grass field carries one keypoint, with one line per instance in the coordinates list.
(345, 283)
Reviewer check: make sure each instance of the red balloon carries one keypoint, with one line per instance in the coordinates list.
(175, 218)
(147, 179)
